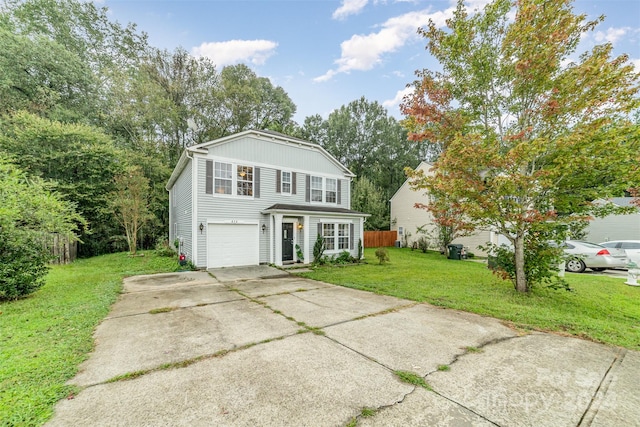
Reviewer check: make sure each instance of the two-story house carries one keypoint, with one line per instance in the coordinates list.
(260, 197)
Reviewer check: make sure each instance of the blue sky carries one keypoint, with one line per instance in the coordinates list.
(327, 53)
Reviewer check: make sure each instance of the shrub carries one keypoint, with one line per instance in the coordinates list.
(423, 244)
(318, 250)
(23, 264)
(344, 258)
(163, 248)
(383, 255)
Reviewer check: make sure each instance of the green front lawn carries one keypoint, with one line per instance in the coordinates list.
(43, 338)
(602, 309)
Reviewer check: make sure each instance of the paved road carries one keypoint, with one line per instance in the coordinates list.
(253, 348)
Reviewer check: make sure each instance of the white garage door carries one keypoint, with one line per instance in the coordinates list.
(232, 245)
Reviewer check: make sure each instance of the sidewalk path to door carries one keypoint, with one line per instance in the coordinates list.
(256, 347)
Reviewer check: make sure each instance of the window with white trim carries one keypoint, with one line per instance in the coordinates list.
(336, 236)
(245, 180)
(331, 190)
(316, 189)
(343, 236)
(286, 183)
(328, 234)
(223, 178)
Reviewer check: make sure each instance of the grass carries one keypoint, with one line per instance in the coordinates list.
(44, 337)
(601, 309)
(412, 378)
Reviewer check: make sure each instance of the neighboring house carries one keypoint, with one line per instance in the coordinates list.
(614, 227)
(254, 197)
(406, 218)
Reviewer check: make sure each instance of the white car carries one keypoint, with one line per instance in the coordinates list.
(631, 247)
(581, 255)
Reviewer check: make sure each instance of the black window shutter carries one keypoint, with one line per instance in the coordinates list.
(278, 180)
(351, 237)
(256, 184)
(308, 187)
(294, 185)
(209, 177)
(320, 228)
(339, 191)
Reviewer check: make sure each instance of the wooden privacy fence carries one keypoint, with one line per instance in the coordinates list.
(376, 239)
(63, 250)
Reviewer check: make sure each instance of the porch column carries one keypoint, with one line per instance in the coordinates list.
(308, 244)
(277, 239)
(270, 239)
(362, 235)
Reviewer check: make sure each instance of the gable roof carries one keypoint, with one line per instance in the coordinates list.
(259, 134)
(424, 166)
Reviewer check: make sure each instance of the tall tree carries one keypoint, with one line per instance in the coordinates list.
(366, 197)
(39, 75)
(250, 102)
(130, 204)
(80, 158)
(527, 133)
(30, 211)
(370, 143)
(69, 49)
(153, 105)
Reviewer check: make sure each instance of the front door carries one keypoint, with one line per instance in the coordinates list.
(287, 241)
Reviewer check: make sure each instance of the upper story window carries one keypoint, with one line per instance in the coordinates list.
(223, 178)
(286, 182)
(331, 191)
(316, 189)
(323, 189)
(245, 180)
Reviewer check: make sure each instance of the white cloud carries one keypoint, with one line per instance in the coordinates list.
(612, 34)
(349, 7)
(364, 52)
(476, 5)
(636, 64)
(395, 102)
(236, 51)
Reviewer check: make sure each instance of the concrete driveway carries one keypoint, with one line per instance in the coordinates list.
(253, 348)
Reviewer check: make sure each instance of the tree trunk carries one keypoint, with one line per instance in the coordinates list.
(521, 278)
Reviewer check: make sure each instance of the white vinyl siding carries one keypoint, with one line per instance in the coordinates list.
(266, 152)
(181, 211)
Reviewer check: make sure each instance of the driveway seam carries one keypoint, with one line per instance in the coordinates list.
(393, 371)
(598, 396)
(173, 308)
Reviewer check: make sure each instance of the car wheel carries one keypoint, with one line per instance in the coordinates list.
(575, 266)
(598, 269)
